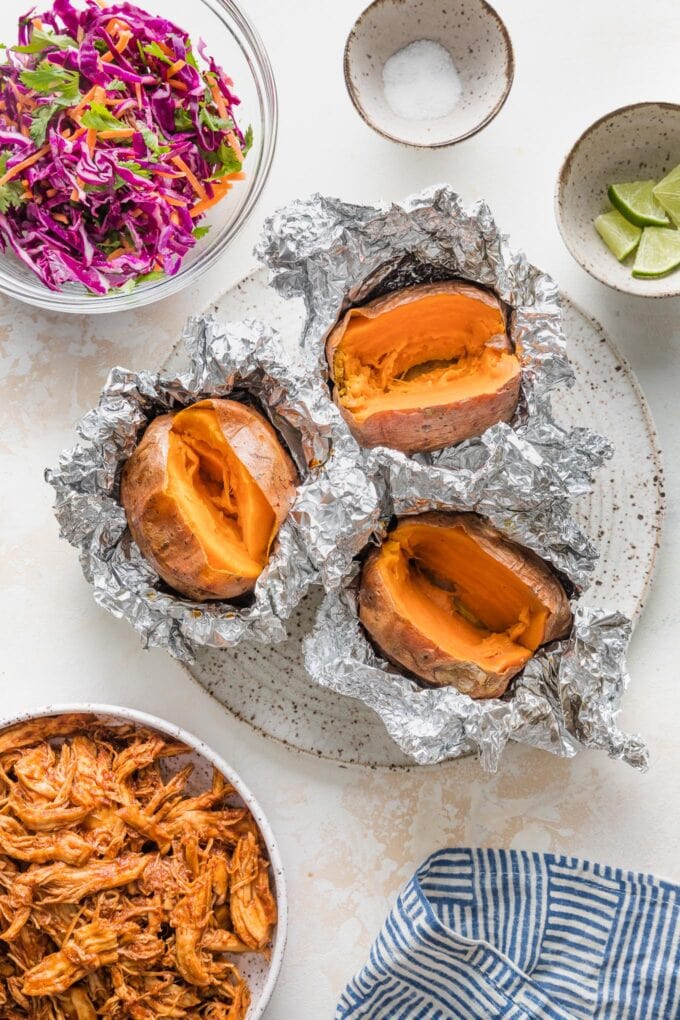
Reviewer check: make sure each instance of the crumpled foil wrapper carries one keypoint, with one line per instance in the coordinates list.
(521, 475)
(335, 512)
(335, 255)
(567, 697)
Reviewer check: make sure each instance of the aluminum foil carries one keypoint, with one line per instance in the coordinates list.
(522, 476)
(335, 255)
(335, 512)
(566, 698)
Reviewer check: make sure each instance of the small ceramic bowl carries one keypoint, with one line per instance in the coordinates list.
(260, 972)
(638, 142)
(477, 42)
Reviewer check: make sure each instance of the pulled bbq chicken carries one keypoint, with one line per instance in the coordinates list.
(122, 894)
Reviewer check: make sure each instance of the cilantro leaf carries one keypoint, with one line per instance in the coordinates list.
(156, 274)
(200, 232)
(191, 59)
(53, 80)
(40, 120)
(115, 85)
(99, 118)
(248, 139)
(135, 168)
(12, 193)
(153, 50)
(41, 40)
(225, 160)
(183, 121)
(153, 143)
(214, 123)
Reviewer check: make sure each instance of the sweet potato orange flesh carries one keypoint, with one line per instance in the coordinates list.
(441, 598)
(218, 498)
(205, 494)
(446, 586)
(430, 347)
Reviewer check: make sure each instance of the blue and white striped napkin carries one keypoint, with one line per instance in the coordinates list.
(486, 934)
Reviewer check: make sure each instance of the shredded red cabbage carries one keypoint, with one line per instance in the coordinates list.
(114, 143)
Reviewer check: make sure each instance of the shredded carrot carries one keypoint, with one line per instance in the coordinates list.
(51, 192)
(24, 165)
(115, 254)
(166, 49)
(115, 25)
(38, 24)
(176, 84)
(177, 66)
(85, 101)
(117, 133)
(171, 200)
(92, 140)
(174, 219)
(60, 217)
(164, 173)
(138, 93)
(219, 99)
(103, 4)
(123, 41)
(208, 203)
(234, 145)
(190, 176)
(75, 195)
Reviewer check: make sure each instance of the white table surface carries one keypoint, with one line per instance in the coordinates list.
(351, 837)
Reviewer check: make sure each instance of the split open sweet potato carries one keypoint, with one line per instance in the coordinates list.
(450, 599)
(205, 494)
(424, 367)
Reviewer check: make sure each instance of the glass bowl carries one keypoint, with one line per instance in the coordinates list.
(236, 45)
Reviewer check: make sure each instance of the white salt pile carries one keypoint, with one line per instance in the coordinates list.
(421, 81)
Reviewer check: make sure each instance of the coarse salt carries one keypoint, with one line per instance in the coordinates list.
(421, 81)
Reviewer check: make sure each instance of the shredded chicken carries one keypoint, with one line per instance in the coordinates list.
(125, 891)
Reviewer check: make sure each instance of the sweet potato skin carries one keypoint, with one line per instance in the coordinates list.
(155, 521)
(258, 447)
(406, 646)
(424, 430)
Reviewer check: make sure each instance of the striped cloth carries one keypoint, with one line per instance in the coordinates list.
(485, 934)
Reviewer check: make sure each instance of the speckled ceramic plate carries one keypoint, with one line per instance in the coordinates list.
(261, 973)
(268, 688)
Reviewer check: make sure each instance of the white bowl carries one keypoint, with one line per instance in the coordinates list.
(633, 143)
(477, 41)
(260, 973)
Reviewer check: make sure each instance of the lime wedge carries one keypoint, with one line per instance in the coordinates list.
(637, 203)
(667, 194)
(658, 253)
(620, 236)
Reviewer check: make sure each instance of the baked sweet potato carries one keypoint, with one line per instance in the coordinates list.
(450, 599)
(205, 494)
(424, 367)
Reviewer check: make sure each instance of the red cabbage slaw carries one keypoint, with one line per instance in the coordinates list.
(114, 143)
